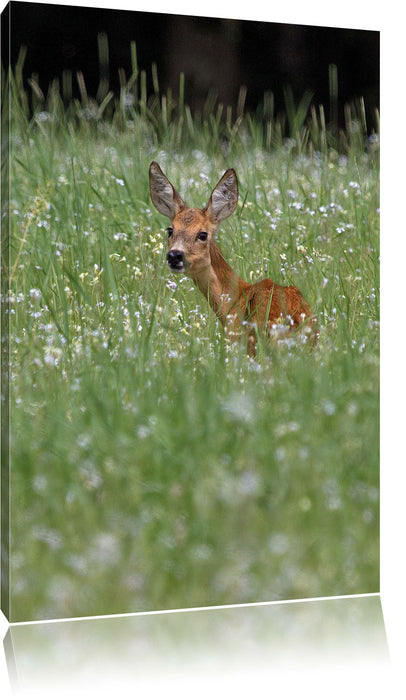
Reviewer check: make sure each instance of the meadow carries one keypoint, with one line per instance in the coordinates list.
(153, 464)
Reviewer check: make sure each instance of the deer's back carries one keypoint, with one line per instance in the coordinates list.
(268, 301)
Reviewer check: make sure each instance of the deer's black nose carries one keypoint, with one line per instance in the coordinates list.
(175, 259)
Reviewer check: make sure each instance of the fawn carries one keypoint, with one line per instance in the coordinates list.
(241, 307)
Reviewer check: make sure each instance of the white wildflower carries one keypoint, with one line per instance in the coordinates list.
(35, 294)
(328, 407)
(143, 431)
(52, 356)
(240, 408)
(278, 543)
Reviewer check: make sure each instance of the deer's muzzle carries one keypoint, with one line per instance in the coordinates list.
(176, 260)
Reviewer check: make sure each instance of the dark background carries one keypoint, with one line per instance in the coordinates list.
(219, 54)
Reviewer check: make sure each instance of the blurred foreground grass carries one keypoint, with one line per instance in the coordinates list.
(154, 466)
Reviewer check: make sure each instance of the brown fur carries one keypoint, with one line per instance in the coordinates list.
(240, 306)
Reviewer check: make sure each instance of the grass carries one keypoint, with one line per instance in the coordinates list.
(153, 465)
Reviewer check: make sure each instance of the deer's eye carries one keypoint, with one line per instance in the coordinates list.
(169, 231)
(202, 236)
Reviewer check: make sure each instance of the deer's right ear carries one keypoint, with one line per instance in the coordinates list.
(163, 194)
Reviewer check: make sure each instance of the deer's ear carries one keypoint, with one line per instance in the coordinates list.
(224, 197)
(163, 194)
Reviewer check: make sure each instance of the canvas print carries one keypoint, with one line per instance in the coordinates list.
(190, 311)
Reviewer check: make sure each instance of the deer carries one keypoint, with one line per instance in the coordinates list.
(242, 308)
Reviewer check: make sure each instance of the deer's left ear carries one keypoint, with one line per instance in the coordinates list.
(224, 197)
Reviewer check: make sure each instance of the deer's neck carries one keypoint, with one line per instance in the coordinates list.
(220, 284)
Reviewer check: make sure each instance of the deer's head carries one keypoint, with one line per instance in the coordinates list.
(191, 230)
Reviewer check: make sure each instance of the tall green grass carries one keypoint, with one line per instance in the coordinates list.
(155, 466)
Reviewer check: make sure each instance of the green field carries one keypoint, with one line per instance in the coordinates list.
(153, 464)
